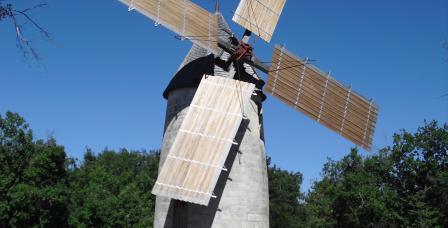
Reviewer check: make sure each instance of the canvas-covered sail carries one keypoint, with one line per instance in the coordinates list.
(319, 96)
(259, 16)
(183, 17)
(197, 156)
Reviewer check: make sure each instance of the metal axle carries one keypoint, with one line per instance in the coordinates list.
(226, 45)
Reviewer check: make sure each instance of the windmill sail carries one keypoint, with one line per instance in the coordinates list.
(302, 86)
(182, 17)
(259, 16)
(196, 158)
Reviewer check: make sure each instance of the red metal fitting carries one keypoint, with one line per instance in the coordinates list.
(244, 52)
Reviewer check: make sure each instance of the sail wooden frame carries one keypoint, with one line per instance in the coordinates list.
(316, 94)
(196, 158)
(183, 17)
(259, 16)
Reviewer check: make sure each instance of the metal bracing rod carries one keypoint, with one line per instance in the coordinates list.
(255, 62)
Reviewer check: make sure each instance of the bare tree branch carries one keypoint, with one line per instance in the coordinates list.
(22, 42)
(35, 7)
(42, 30)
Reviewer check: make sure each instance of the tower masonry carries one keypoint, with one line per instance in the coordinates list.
(242, 198)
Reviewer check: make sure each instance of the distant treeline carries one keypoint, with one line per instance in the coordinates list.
(403, 185)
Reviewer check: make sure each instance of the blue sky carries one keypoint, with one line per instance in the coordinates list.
(106, 69)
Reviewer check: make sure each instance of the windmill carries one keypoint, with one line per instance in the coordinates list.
(213, 169)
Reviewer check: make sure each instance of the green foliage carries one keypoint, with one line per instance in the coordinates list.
(419, 175)
(351, 194)
(114, 189)
(33, 187)
(402, 185)
(40, 187)
(285, 207)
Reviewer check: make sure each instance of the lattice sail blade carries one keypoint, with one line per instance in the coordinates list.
(259, 16)
(195, 160)
(299, 84)
(183, 17)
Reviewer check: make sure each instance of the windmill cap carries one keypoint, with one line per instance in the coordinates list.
(191, 74)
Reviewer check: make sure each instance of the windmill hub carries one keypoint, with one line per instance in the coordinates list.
(243, 52)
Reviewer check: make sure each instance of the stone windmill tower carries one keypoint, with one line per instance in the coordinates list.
(245, 164)
(212, 171)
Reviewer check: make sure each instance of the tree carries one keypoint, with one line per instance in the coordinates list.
(33, 184)
(114, 189)
(18, 17)
(352, 194)
(403, 185)
(419, 174)
(285, 207)
(40, 186)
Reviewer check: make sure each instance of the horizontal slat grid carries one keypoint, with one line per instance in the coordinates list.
(302, 86)
(197, 156)
(259, 16)
(183, 17)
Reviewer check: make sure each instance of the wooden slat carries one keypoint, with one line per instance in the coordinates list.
(287, 63)
(202, 144)
(320, 97)
(183, 17)
(259, 16)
